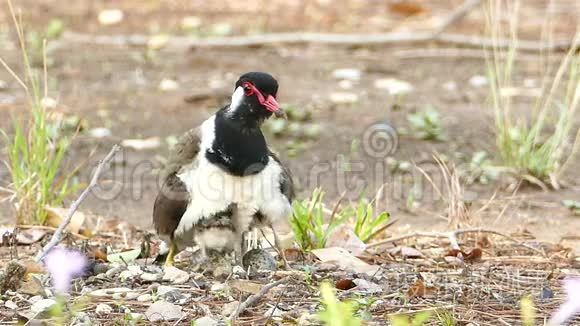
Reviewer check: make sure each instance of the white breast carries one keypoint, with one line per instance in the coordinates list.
(213, 189)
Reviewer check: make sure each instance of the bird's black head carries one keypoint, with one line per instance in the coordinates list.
(254, 98)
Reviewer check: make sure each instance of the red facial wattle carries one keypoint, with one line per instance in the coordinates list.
(268, 102)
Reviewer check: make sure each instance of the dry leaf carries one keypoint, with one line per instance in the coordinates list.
(345, 284)
(33, 267)
(57, 214)
(292, 254)
(23, 236)
(344, 237)
(418, 289)
(245, 286)
(406, 8)
(469, 257)
(406, 252)
(345, 260)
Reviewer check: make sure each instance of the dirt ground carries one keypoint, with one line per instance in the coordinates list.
(116, 87)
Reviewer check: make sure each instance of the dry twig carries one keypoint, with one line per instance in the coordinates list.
(452, 236)
(251, 300)
(57, 236)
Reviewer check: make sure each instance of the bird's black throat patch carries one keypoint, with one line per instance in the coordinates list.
(239, 148)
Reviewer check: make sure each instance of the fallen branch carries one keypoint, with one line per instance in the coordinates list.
(57, 236)
(452, 237)
(251, 300)
(456, 15)
(185, 43)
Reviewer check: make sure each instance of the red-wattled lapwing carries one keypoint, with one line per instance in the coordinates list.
(222, 179)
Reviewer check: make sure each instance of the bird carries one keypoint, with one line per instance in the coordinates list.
(222, 180)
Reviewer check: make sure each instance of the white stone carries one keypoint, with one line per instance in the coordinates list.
(10, 305)
(175, 275)
(229, 308)
(394, 86)
(111, 17)
(343, 98)
(164, 289)
(109, 292)
(163, 311)
(100, 132)
(347, 73)
(366, 286)
(218, 287)
(145, 297)
(167, 85)
(206, 321)
(48, 103)
(478, 81)
(103, 309)
(150, 277)
(42, 305)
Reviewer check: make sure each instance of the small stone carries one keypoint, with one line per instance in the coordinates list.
(478, 81)
(206, 321)
(259, 260)
(218, 287)
(34, 299)
(546, 293)
(366, 286)
(163, 311)
(109, 292)
(42, 305)
(229, 308)
(32, 286)
(82, 319)
(111, 17)
(126, 275)
(190, 22)
(150, 277)
(125, 296)
(100, 133)
(167, 85)
(343, 98)
(450, 86)
(103, 309)
(175, 275)
(274, 312)
(157, 42)
(394, 86)
(239, 271)
(113, 271)
(48, 103)
(345, 84)
(163, 290)
(145, 297)
(10, 305)
(347, 73)
(3, 85)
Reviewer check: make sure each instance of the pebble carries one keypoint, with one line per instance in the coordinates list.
(125, 296)
(163, 290)
(100, 133)
(366, 286)
(239, 271)
(109, 292)
(394, 86)
(34, 299)
(48, 103)
(229, 308)
(347, 73)
(218, 287)
(145, 297)
(10, 305)
(129, 274)
(150, 277)
(343, 98)
(103, 309)
(3, 85)
(111, 17)
(274, 312)
(206, 321)
(478, 81)
(163, 311)
(42, 305)
(167, 85)
(82, 319)
(175, 275)
(113, 271)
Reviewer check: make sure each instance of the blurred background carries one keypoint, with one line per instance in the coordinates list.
(140, 73)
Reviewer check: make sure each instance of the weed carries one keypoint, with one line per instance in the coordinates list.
(367, 224)
(35, 158)
(309, 224)
(446, 318)
(427, 125)
(418, 319)
(535, 148)
(336, 313)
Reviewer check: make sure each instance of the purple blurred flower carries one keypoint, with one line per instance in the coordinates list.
(572, 305)
(64, 265)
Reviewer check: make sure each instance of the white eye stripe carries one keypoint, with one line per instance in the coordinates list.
(237, 99)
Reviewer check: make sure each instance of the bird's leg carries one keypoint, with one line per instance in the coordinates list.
(279, 247)
(239, 249)
(171, 254)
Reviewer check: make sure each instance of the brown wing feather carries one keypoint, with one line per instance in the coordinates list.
(173, 198)
(286, 180)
